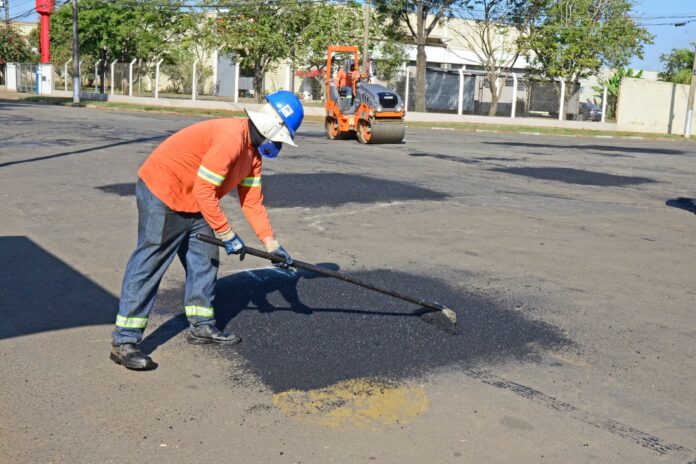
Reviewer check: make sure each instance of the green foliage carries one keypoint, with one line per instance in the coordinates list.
(329, 25)
(678, 64)
(178, 70)
(400, 16)
(118, 29)
(613, 83)
(257, 34)
(573, 39)
(390, 57)
(415, 19)
(14, 48)
(342, 25)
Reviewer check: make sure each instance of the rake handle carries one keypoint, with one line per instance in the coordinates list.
(326, 272)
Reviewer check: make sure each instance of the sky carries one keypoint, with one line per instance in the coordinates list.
(666, 37)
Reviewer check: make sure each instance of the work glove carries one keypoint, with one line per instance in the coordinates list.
(274, 247)
(234, 245)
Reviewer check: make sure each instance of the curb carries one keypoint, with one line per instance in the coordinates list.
(315, 117)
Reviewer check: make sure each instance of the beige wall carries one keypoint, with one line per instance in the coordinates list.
(23, 27)
(650, 106)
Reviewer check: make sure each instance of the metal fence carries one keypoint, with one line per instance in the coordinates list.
(461, 91)
(189, 80)
(63, 75)
(143, 77)
(27, 78)
(457, 91)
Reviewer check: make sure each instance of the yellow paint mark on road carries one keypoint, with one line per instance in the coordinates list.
(361, 403)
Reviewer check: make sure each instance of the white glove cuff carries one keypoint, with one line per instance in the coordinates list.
(272, 245)
(226, 235)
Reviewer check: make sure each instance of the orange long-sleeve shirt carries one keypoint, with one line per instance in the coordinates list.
(192, 169)
(344, 79)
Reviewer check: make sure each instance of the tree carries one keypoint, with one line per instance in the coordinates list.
(402, 13)
(336, 25)
(573, 39)
(328, 24)
(119, 30)
(14, 47)
(492, 35)
(678, 65)
(258, 34)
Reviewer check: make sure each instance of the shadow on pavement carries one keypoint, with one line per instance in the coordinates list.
(84, 150)
(336, 189)
(40, 293)
(321, 189)
(126, 189)
(610, 148)
(576, 176)
(687, 204)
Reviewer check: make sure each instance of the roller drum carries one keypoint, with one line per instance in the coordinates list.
(382, 132)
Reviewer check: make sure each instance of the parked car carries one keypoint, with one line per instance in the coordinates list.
(588, 112)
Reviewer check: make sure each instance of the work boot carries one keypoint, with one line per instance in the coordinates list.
(130, 356)
(210, 334)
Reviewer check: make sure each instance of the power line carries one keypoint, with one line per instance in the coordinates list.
(22, 15)
(198, 5)
(471, 13)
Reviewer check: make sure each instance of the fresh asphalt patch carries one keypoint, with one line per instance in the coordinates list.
(576, 176)
(302, 331)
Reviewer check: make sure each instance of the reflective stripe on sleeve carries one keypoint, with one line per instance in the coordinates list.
(131, 322)
(200, 311)
(251, 182)
(206, 174)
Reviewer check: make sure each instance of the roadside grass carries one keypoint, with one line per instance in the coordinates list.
(62, 101)
(536, 130)
(469, 127)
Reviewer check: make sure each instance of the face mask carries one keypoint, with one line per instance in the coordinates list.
(270, 149)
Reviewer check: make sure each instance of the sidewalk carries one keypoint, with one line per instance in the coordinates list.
(318, 111)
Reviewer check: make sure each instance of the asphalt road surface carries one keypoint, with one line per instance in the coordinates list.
(569, 261)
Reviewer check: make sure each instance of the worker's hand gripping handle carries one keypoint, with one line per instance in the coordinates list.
(249, 250)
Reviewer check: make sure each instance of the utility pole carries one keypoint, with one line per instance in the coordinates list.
(76, 57)
(690, 104)
(7, 12)
(366, 35)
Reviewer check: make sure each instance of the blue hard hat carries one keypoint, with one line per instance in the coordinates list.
(289, 109)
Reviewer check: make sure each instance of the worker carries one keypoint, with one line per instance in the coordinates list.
(371, 70)
(178, 196)
(344, 81)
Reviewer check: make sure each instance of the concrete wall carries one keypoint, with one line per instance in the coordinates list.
(11, 76)
(650, 106)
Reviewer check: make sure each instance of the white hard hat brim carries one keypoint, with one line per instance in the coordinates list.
(270, 127)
